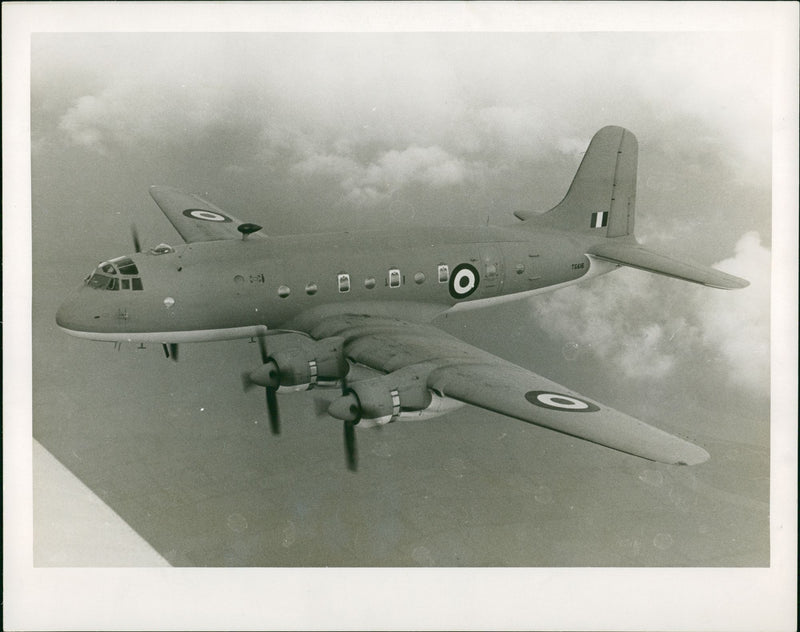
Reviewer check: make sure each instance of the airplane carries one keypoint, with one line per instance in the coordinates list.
(352, 310)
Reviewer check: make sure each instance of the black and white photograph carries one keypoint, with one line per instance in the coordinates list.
(491, 306)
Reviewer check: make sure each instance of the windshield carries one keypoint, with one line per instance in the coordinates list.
(114, 275)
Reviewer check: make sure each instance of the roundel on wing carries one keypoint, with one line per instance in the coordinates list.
(560, 401)
(463, 281)
(206, 215)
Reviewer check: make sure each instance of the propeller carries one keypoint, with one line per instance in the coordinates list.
(171, 350)
(137, 246)
(348, 409)
(268, 376)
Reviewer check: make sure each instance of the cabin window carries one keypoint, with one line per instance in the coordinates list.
(344, 282)
(444, 273)
(311, 289)
(283, 291)
(419, 278)
(136, 283)
(394, 278)
(126, 284)
(369, 283)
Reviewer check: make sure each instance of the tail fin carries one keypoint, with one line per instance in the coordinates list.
(601, 202)
(602, 197)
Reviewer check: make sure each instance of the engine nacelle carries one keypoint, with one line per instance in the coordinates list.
(309, 364)
(399, 395)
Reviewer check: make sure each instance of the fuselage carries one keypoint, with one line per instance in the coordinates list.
(234, 288)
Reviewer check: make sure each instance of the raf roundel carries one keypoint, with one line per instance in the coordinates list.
(560, 401)
(206, 215)
(464, 280)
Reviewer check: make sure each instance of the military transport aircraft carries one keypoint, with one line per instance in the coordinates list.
(321, 304)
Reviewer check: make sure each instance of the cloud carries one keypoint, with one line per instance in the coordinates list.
(618, 318)
(633, 320)
(512, 96)
(737, 324)
(367, 184)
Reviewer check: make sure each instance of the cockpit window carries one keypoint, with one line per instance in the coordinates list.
(100, 279)
(125, 265)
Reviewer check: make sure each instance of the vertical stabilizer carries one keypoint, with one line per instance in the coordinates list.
(602, 197)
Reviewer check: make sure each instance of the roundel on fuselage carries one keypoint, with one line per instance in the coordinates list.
(464, 280)
(206, 215)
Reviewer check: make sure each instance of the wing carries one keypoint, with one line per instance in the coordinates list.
(196, 219)
(455, 369)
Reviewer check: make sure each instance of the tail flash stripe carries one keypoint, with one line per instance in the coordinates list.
(600, 219)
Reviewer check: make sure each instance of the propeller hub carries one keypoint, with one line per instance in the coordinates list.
(346, 408)
(267, 375)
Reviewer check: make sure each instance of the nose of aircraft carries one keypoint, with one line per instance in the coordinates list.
(70, 315)
(65, 313)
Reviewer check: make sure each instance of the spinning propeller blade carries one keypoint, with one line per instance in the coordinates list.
(270, 390)
(137, 246)
(350, 448)
(350, 420)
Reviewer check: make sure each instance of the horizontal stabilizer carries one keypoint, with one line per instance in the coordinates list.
(635, 256)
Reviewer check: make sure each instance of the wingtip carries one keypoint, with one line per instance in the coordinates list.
(695, 456)
(737, 283)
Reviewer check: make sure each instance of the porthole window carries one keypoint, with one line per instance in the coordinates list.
(311, 289)
(344, 282)
(419, 278)
(520, 268)
(239, 279)
(394, 277)
(283, 291)
(444, 273)
(369, 283)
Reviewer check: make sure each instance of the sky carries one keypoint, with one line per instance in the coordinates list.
(324, 131)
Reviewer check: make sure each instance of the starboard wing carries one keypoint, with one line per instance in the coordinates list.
(524, 395)
(197, 219)
(460, 371)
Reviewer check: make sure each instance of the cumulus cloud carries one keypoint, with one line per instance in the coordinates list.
(632, 320)
(737, 324)
(511, 97)
(619, 317)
